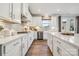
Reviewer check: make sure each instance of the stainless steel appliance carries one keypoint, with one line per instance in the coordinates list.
(40, 35)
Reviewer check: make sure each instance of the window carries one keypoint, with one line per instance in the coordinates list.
(46, 24)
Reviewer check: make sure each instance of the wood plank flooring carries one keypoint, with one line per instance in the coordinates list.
(39, 48)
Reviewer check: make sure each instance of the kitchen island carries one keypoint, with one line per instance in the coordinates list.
(63, 45)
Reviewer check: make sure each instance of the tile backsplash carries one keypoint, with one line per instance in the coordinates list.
(16, 27)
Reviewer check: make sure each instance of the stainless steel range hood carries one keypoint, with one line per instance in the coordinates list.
(24, 19)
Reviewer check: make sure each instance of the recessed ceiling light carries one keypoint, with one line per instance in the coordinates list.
(39, 10)
(58, 10)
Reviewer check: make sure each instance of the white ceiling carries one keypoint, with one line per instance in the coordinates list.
(54, 8)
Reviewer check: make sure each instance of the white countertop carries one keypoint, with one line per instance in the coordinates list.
(10, 38)
(72, 40)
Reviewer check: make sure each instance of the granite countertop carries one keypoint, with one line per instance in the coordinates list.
(72, 40)
(10, 38)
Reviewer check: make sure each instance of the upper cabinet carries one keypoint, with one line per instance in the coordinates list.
(16, 12)
(10, 12)
(26, 12)
(4, 10)
(68, 24)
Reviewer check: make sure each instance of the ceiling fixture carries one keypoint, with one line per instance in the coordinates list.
(58, 10)
(39, 10)
(46, 16)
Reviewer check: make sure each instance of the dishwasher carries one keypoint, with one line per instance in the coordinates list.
(40, 35)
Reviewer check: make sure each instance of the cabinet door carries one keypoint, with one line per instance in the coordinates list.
(45, 35)
(50, 41)
(13, 48)
(35, 35)
(26, 11)
(65, 53)
(55, 46)
(4, 10)
(24, 45)
(29, 39)
(16, 12)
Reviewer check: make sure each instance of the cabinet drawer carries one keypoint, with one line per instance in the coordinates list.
(72, 50)
(13, 48)
(67, 47)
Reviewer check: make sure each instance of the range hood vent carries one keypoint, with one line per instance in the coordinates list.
(46, 17)
(24, 19)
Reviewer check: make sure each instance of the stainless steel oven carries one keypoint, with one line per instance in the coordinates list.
(40, 35)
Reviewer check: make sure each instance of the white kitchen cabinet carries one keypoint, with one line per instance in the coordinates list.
(70, 49)
(10, 12)
(29, 17)
(13, 48)
(58, 49)
(61, 48)
(50, 42)
(26, 12)
(55, 46)
(16, 13)
(24, 8)
(26, 42)
(18, 46)
(30, 39)
(65, 53)
(4, 10)
(24, 45)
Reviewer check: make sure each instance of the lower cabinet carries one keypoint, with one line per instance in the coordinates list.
(61, 48)
(30, 39)
(50, 41)
(24, 45)
(17, 47)
(13, 48)
(26, 42)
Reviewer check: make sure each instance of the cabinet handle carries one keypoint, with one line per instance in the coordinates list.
(15, 43)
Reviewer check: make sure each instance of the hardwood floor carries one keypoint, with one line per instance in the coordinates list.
(39, 48)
